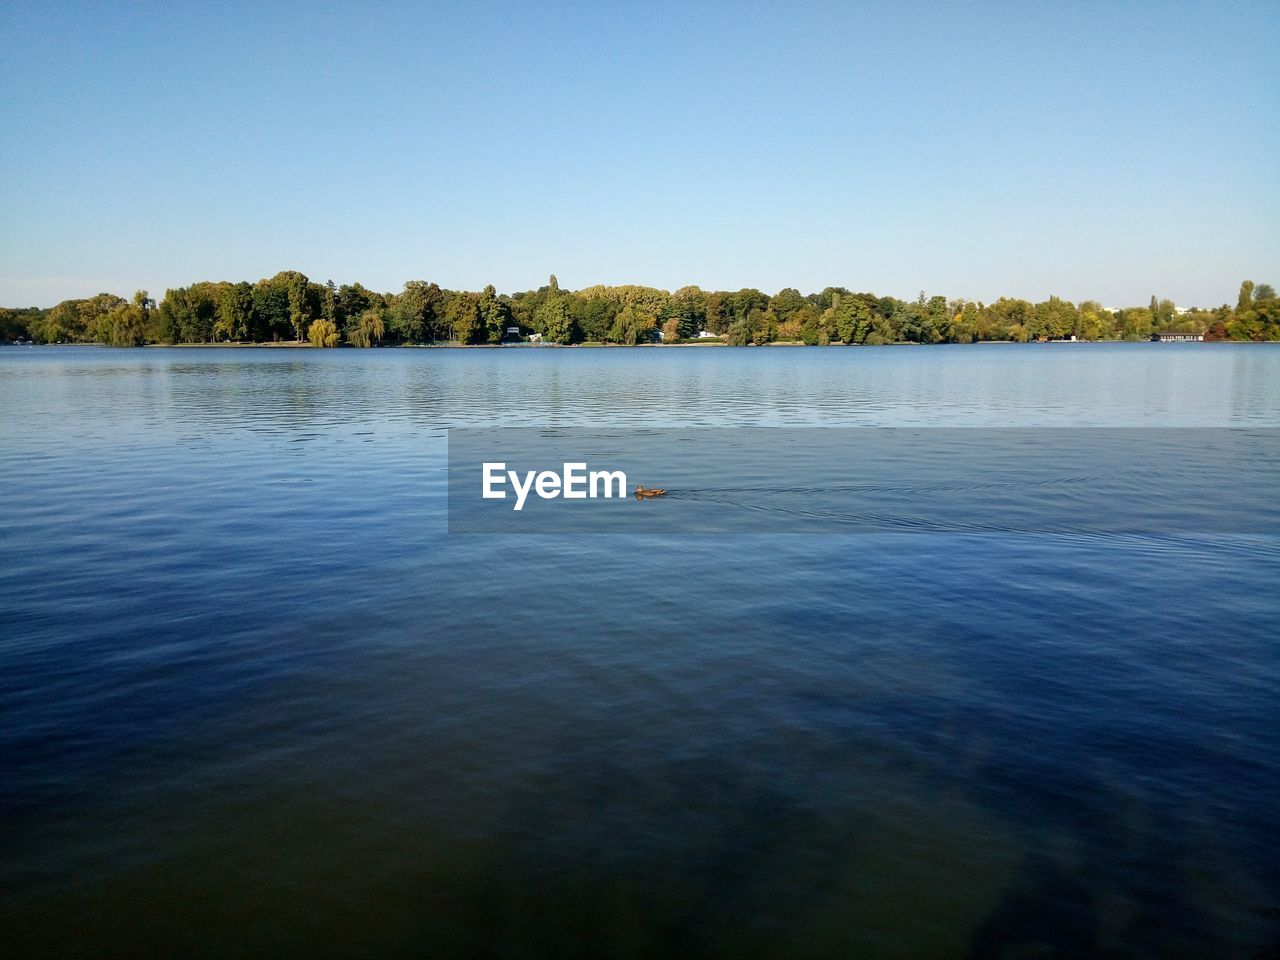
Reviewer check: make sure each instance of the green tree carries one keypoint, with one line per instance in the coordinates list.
(936, 325)
(413, 315)
(1096, 322)
(495, 314)
(465, 320)
(718, 315)
(75, 321)
(786, 302)
(16, 323)
(1054, 317)
(849, 318)
(593, 316)
(270, 310)
(235, 312)
(351, 300)
(554, 321)
(1246, 296)
(1135, 323)
(299, 308)
(688, 308)
(964, 323)
(763, 326)
(1007, 319)
(329, 303)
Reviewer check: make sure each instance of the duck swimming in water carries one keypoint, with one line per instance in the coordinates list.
(644, 494)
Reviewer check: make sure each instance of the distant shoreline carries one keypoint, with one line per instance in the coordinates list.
(290, 310)
(304, 345)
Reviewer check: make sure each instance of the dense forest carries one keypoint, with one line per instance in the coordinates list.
(290, 307)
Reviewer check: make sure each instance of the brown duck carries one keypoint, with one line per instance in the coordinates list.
(644, 494)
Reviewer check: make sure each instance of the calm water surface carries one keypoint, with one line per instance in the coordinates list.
(254, 698)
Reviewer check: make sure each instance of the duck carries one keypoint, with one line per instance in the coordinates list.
(642, 493)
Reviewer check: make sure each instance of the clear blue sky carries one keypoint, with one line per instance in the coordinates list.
(1108, 150)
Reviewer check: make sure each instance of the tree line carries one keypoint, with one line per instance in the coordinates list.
(290, 307)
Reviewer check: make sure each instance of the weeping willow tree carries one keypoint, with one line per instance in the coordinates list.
(124, 325)
(628, 326)
(368, 329)
(323, 333)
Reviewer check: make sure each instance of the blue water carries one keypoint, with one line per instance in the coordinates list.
(256, 700)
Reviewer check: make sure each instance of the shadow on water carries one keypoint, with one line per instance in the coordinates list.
(879, 803)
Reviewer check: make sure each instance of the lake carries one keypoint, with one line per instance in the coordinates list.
(255, 698)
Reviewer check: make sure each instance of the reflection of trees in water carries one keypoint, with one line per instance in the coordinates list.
(1050, 913)
(892, 824)
(922, 793)
(1132, 851)
(701, 859)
